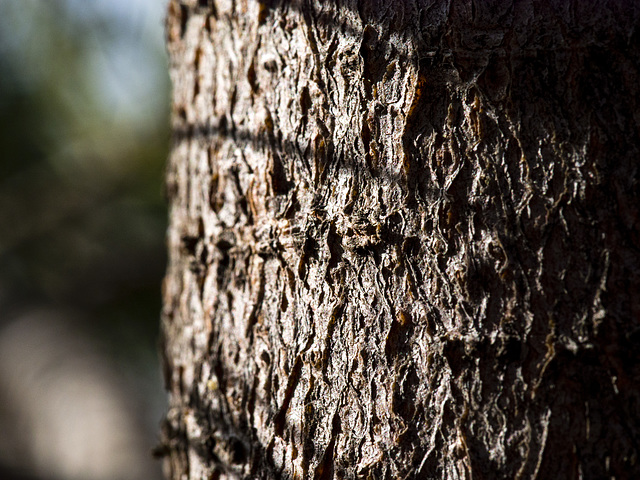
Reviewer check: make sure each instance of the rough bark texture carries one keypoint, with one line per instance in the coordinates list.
(404, 240)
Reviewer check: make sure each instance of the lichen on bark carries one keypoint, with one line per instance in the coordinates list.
(404, 240)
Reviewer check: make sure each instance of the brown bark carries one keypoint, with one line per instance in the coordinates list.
(404, 240)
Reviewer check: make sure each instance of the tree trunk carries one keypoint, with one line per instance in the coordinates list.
(404, 240)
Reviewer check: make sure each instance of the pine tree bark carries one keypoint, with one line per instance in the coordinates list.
(404, 240)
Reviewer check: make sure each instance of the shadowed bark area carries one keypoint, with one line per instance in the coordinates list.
(404, 240)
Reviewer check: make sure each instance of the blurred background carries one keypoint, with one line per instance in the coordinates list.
(84, 101)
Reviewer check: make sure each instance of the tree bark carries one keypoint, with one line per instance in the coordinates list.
(404, 240)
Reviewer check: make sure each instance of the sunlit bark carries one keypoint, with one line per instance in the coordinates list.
(404, 240)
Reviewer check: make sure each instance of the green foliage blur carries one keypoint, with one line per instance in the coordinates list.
(83, 140)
